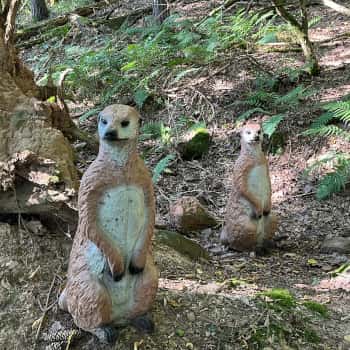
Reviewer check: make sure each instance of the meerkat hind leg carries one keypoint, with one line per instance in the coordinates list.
(143, 323)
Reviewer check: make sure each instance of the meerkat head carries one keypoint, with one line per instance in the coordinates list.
(252, 134)
(118, 124)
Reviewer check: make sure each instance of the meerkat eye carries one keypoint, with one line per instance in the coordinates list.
(125, 123)
(248, 132)
(103, 121)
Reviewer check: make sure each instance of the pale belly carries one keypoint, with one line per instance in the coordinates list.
(122, 216)
(259, 184)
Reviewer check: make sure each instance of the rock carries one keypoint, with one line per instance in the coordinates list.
(181, 244)
(36, 227)
(195, 143)
(187, 214)
(336, 245)
(191, 316)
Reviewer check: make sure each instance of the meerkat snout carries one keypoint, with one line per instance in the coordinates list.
(118, 123)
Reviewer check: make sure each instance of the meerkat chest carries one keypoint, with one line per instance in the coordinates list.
(259, 183)
(122, 216)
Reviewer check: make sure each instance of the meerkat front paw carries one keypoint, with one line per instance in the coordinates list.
(117, 276)
(256, 215)
(135, 269)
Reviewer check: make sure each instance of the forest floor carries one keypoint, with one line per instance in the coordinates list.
(221, 303)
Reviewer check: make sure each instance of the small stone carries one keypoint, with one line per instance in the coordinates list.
(79, 146)
(191, 316)
(327, 268)
(187, 214)
(336, 245)
(207, 232)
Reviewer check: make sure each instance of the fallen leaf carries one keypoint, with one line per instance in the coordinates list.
(36, 323)
(312, 262)
(180, 332)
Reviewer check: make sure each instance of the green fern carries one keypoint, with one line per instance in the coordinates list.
(270, 125)
(151, 130)
(250, 112)
(293, 97)
(161, 166)
(336, 179)
(340, 110)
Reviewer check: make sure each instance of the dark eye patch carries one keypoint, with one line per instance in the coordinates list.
(125, 123)
(248, 132)
(103, 121)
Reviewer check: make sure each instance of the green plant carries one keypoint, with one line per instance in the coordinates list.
(281, 297)
(161, 166)
(317, 308)
(156, 130)
(285, 321)
(268, 102)
(337, 164)
(134, 61)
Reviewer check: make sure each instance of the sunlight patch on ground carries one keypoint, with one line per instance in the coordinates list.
(211, 288)
(336, 57)
(335, 93)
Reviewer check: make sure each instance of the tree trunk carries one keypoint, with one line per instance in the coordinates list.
(160, 10)
(39, 10)
(302, 32)
(37, 173)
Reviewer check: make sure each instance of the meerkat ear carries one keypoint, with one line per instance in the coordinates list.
(98, 117)
(140, 121)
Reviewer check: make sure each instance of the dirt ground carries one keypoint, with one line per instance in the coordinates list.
(214, 304)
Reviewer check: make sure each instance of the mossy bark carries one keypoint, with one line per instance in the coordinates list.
(301, 30)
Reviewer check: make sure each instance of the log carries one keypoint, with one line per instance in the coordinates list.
(40, 28)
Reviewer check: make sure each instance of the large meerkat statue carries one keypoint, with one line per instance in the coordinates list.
(249, 223)
(112, 279)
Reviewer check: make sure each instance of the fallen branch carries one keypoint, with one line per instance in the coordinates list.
(45, 309)
(336, 7)
(38, 28)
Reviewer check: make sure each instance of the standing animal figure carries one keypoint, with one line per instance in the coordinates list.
(249, 224)
(112, 279)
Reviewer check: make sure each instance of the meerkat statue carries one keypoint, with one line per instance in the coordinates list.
(249, 223)
(112, 279)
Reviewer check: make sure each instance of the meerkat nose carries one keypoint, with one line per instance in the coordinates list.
(111, 135)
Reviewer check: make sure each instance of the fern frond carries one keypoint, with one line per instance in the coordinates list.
(314, 21)
(160, 167)
(294, 96)
(151, 130)
(326, 130)
(340, 110)
(322, 120)
(333, 182)
(261, 98)
(270, 125)
(250, 112)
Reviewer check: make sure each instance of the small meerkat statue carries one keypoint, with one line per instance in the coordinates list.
(112, 279)
(249, 223)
